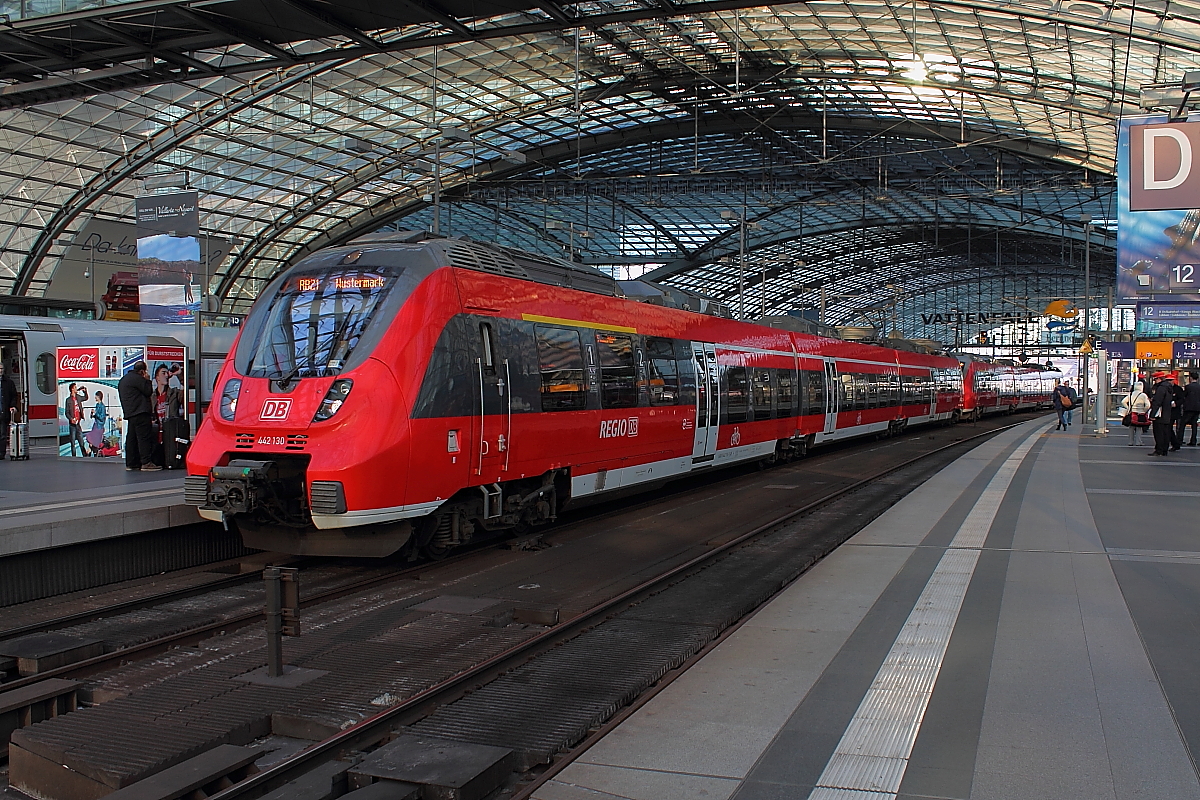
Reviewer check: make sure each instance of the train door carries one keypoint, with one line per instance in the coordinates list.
(831, 396)
(12, 352)
(708, 399)
(493, 433)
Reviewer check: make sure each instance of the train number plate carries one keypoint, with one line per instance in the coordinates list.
(271, 441)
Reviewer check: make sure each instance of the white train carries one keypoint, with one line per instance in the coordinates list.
(27, 347)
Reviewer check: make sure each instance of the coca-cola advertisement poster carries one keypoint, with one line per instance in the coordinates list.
(78, 362)
(91, 421)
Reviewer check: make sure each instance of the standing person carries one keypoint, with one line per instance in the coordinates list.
(1137, 403)
(1176, 412)
(160, 402)
(10, 408)
(1063, 403)
(1191, 406)
(1160, 413)
(135, 389)
(73, 409)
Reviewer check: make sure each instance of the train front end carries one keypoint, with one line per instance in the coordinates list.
(305, 448)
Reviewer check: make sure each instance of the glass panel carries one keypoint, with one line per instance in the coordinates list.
(618, 378)
(486, 343)
(686, 365)
(43, 371)
(560, 362)
(664, 374)
(815, 381)
(314, 322)
(784, 393)
(762, 392)
(737, 400)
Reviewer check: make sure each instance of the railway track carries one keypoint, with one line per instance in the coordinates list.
(194, 634)
(82, 669)
(426, 703)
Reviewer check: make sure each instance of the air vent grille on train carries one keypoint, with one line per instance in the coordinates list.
(296, 441)
(327, 497)
(483, 259)
(243, 441)
(195, 490)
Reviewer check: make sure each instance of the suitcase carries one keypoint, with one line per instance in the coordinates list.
(177, 435)
(18, 441)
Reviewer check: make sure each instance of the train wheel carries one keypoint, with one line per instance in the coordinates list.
(436, 533)
(435, 552)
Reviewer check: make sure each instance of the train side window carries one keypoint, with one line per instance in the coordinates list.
(815, 380)
(43, 373)
(762, 391)
(488, 346)
(686, 364)
(560, 362)
(664, 373)
(618, 376)
(785, 393)
(737, 400)
(846, 395)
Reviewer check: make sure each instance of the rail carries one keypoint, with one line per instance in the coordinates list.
(372, 729)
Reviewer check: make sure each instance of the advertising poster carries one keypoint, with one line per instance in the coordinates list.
(168, 245)
(90, 421)
(89, 413)
(1158, 209)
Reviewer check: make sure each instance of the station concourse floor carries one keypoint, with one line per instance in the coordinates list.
(48, 502)
(1024, 625)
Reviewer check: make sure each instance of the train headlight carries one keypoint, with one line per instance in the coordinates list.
(334, 398)
(229, 398)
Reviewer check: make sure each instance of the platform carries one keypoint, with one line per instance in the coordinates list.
(1024, 625)
(49, 502)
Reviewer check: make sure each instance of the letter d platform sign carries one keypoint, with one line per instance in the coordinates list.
(1164, 166)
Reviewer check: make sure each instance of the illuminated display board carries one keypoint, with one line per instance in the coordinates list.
(338, 283)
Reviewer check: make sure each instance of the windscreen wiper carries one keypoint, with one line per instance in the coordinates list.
(285, 382)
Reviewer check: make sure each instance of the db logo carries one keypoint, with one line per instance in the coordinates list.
(276, 409)
(612, 428)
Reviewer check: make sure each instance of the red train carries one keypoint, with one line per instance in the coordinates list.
(992, 387)
(407, 391)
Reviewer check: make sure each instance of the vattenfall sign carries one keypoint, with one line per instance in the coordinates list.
(1164, 166)
(979, 318)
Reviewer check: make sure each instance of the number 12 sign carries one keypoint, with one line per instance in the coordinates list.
(1182, 276)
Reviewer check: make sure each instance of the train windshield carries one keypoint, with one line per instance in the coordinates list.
(316, 319)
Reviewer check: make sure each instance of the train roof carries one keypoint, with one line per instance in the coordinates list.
(539, 268)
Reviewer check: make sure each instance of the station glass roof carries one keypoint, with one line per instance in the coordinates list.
(917, 154)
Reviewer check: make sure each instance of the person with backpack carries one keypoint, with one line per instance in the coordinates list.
(1137, 408)
(1065, 400)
